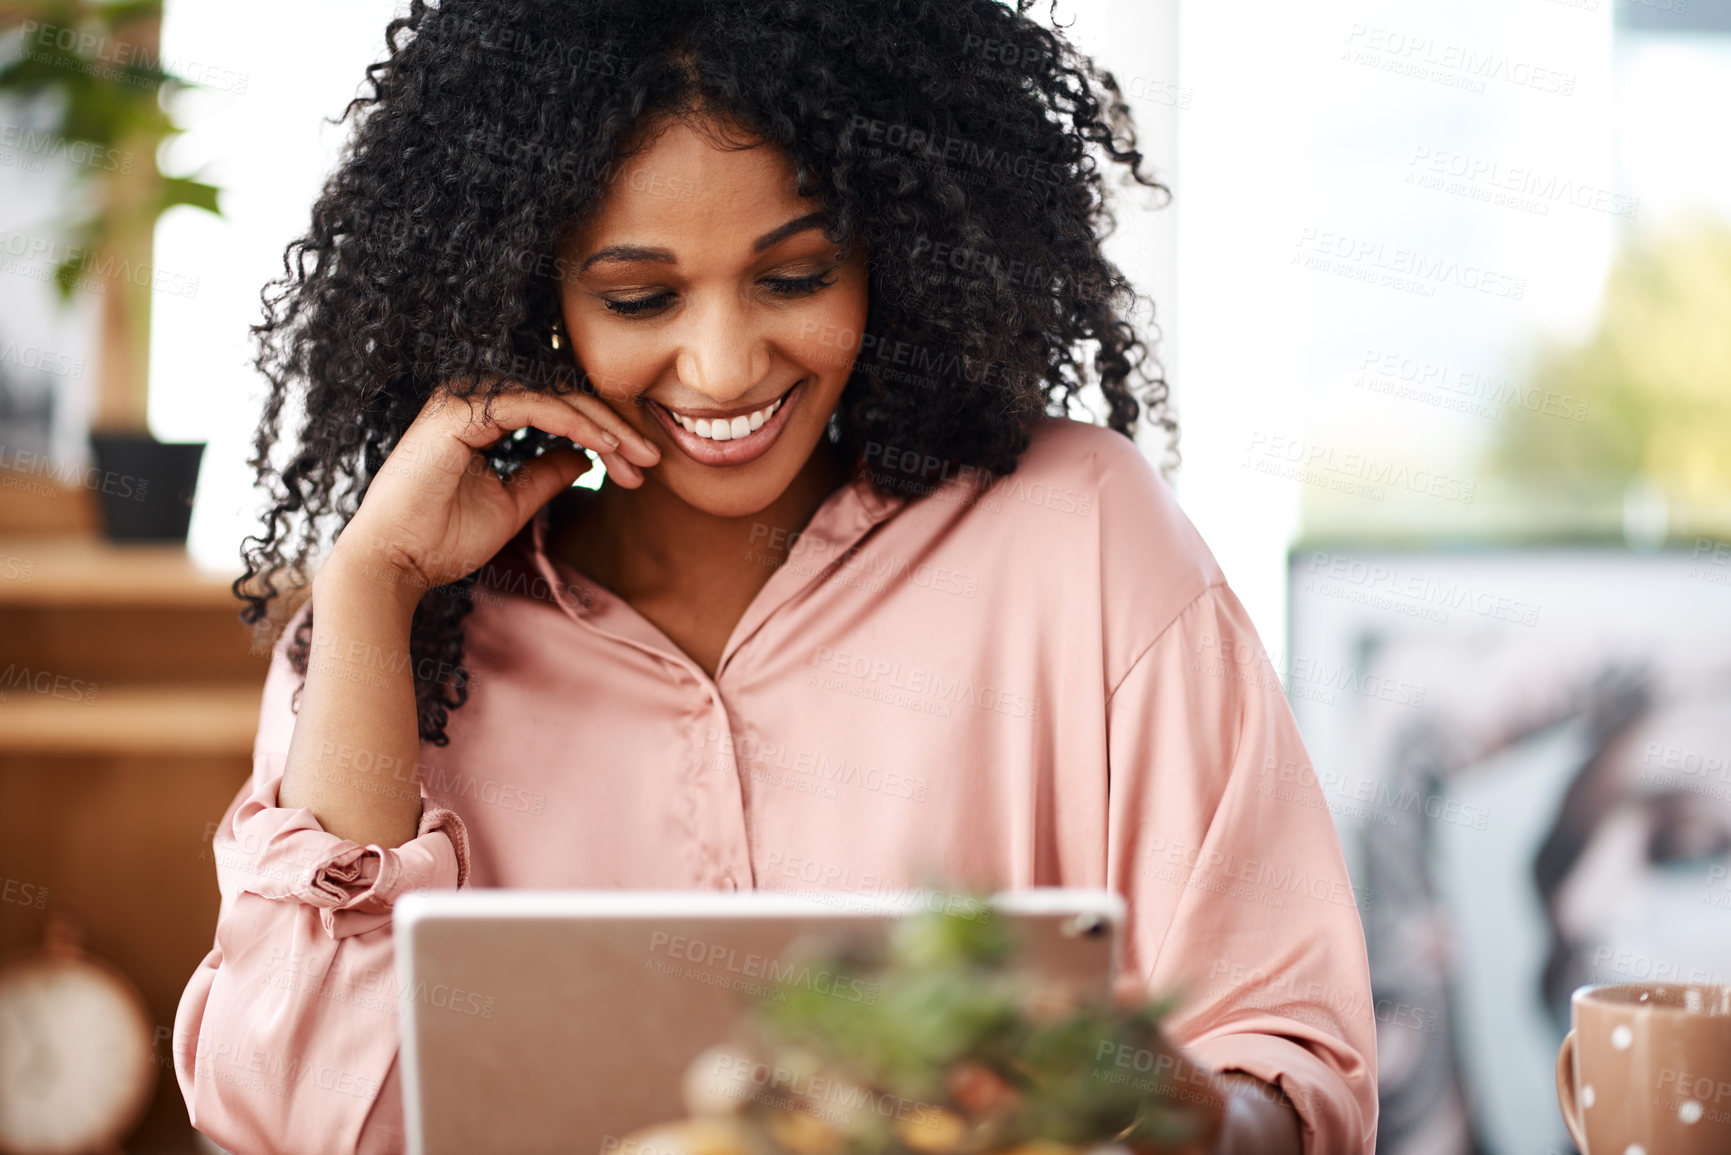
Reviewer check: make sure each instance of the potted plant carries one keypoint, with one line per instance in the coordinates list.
(939, 1042)
(91, 77)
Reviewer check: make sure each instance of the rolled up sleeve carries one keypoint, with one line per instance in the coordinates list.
(1223, 845)
(286, 1037)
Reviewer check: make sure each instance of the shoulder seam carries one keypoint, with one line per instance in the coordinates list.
(1164, 630)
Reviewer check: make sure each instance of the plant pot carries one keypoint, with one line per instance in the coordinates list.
(144, 487)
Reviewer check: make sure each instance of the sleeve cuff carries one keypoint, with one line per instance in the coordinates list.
(1330, 1113)
(284, 854)
(354, 886)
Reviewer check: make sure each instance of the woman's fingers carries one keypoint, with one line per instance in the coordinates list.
(581, 418)
(482, 422)
(622, 471)
(535, 483)
(632, 444)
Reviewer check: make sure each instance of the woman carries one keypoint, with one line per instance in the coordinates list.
(803, 276)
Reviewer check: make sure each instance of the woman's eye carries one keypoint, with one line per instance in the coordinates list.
(798, 286)
(637, 304)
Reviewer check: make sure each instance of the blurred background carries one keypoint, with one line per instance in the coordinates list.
(1444, 295)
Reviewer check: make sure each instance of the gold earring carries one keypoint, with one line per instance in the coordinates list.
(554, 340)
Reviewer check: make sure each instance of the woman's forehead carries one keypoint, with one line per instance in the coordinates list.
(684, 183)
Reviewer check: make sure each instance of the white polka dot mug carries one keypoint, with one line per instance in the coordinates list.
(1647, 1070)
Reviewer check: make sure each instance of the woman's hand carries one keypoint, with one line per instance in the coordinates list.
(1259, 1120)
(1239, 1114)
(437, 511)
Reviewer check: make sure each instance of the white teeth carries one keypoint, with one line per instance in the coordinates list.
(727, 430)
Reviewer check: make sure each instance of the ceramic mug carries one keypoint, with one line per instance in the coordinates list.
(1647, 1070)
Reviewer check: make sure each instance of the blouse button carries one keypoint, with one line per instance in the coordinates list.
(728, 882)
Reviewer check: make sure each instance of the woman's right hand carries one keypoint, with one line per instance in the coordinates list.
(437, 511)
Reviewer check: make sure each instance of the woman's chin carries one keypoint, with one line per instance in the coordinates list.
(733, 497)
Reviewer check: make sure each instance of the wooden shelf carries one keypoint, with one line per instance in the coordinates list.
(76, 570)
(130, 721)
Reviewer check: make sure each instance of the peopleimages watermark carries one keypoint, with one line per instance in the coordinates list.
(810, 771)
(898, 361)
(495, 32)
(928, 475)
(39, 146)
(442, 784)
(562, 158)
(1436, 383)
(769, 973)
(1325, 1005)
(49, 361)
(24, 894)
(374, 988)
(18, 467)
(1256, 880)
(1453, 65)
(1405, 269)
(46, 683)
(1387, 585)
(858, 566)
(1710, 561)
(843, 885)
(1621, 966)
(20, 254)
(963, 156)
(124, 61)
(1373, 800)
(1521, 187)
(1669, 767)
(266, 1069)
(1165, 92)
(918, 688)
(839, 1101)
(1348, 471)
(1312, 679)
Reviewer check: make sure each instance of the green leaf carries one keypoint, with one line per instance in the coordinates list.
(180, 190)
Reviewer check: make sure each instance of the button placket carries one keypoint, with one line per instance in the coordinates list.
(718, 792)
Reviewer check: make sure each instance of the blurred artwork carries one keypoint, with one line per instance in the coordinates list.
(1546, 802)
(26, 403)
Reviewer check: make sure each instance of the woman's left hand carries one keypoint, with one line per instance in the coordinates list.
(1259, 1119)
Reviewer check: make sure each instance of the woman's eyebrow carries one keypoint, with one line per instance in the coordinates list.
(666, 257)
(797, 225)
(629, 253)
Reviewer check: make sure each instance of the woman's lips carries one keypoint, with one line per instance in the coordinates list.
(737, 451)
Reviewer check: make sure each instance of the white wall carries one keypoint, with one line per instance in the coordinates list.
(263, 141)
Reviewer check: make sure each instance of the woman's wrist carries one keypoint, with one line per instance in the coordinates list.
(355, 574)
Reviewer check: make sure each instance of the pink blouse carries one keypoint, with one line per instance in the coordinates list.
(1043, 683)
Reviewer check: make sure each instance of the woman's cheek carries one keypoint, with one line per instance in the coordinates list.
(617, 370)
(828, 337)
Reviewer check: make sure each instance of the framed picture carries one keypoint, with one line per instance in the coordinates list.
(1528, 756)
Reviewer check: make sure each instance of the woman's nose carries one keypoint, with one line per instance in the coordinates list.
(723, 353)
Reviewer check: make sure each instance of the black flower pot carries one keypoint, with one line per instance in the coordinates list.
(144, 486)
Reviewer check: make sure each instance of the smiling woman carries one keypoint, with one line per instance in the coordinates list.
(810, 279)
(709, 317)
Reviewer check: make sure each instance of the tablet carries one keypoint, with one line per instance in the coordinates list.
(562, 1021)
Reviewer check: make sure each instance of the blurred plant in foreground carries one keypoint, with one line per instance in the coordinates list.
(958, 1050)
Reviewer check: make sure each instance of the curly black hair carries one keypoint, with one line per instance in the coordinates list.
(960, 141)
